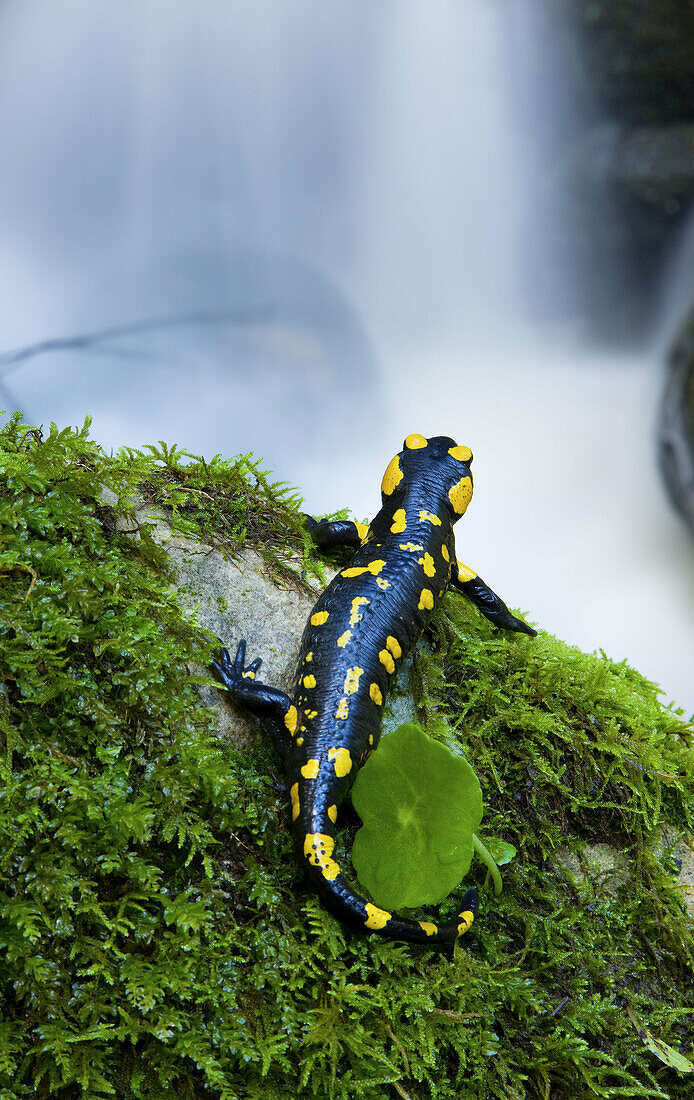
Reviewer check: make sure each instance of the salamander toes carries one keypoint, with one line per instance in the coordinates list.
(240, 658)
(231, 672)
(222, 666)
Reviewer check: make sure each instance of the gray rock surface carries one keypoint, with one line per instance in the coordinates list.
(607, 868)
(233, 598)
(596, 863)
(680, 847)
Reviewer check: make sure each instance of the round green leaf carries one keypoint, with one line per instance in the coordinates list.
(500, 850)
(420, 805)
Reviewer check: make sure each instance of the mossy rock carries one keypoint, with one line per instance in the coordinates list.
(157, 937)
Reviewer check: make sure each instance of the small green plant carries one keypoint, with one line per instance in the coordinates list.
(420, 804)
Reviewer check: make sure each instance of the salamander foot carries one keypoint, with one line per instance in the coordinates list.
(232, 673)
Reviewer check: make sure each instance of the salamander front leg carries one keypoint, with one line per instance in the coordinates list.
(492, 606)
(337, 532)
(273, 707)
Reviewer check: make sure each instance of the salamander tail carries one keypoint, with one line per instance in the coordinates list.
(338, 896)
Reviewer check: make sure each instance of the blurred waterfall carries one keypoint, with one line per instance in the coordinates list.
(445, 172)
(311, 228)
(310, 178)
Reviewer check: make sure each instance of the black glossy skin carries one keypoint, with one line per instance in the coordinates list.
(358, 634)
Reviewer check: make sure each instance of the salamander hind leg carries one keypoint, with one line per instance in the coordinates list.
(273, 707)
(492, 606)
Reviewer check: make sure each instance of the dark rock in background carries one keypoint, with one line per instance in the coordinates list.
(676, 427)
(655, 164)
(640, 56)
(620, 188)
(623, 183)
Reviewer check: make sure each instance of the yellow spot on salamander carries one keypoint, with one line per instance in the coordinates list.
(310, 681)
(415, 547)
(429, 928)
(342, 710)
(394, 646)
(291, 720)
(356, 615)
(294, 795)
(310, 768)
(310, 714)
(342, 761)
(399, 521)
(371, 739)
(382, 583)
(465, 573)
(319, 618)
(461, 495)
(428, 562)
(466, 919)
(375, 917)
(426, 600)
(308, 657)
(392, 477)
(444, 553)
(318, 849)
(362, 530)
(299, 740)
(248, 675)
(429, 517)
(415, 441)
(344, 638)
(374, 567)
(386, 660)
(352, 680)
(376, 695)
(332, 813)
(463, 454)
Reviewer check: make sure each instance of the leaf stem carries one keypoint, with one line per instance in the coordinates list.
(489, 862)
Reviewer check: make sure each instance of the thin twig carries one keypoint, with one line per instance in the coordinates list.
(9, 359)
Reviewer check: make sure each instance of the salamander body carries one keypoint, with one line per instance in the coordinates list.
(357, 635)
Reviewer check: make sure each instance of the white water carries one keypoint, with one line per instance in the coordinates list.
(351, 191)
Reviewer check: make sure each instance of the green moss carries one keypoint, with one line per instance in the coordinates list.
(156, 938)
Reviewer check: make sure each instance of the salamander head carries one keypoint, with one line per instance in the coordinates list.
(438, 465)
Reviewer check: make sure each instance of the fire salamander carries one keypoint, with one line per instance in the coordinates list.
(357, 636)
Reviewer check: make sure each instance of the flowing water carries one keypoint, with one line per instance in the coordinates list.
(311, 229)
